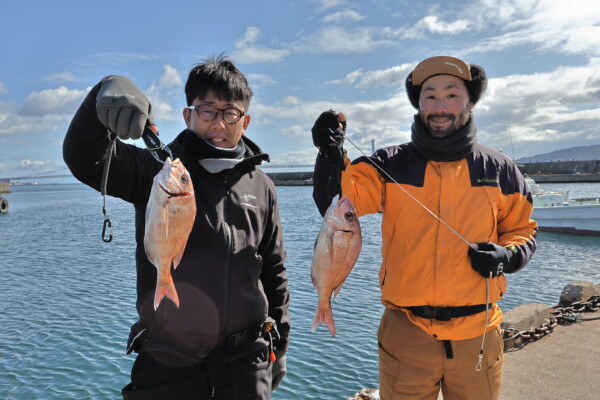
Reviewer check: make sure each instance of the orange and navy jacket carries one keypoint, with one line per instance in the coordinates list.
(483, 197)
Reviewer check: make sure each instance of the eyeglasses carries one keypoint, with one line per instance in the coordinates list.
(230, 115)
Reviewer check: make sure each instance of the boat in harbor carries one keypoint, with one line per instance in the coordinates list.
(555, 211)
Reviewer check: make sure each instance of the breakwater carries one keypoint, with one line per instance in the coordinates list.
(562, 171)
(541, 172)
(291, 178)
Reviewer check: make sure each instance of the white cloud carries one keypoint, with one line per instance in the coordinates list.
(343, 16)
(258, 54)
(260, 80)
(290, 101)
(28, 167)
(166, 92)
(336, 39)
(365, 79)
(325, 5)
(171, 77)
(300, 157)
(349, 79)
(64, 76)
(569, 27)
(246, 52)
(250, 36)
(59, 101)
(432, 24)
(123, 58)
(295, 131)
(3, 89)
(14, 124)
(381, 120)
(543, 108)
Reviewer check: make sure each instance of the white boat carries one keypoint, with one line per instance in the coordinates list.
(554, 211)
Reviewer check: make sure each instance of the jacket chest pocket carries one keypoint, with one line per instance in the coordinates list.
(484, 210)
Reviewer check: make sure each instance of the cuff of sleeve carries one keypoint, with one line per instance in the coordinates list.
(514, 259)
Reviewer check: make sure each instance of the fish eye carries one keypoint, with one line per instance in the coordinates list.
(348, 216)
(184, 179)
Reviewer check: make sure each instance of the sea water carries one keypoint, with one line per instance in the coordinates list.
(67, 299)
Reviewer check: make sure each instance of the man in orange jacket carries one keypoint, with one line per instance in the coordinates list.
(441, 327)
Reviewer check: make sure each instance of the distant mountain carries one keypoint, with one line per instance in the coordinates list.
(581, 153)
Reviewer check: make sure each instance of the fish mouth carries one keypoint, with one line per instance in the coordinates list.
(171, 194)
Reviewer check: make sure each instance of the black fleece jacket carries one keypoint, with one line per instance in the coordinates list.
(232, 274)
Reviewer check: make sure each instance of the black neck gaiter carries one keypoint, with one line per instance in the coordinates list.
(201, 149)
(452, 148)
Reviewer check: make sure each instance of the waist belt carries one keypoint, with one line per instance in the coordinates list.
(446, 313)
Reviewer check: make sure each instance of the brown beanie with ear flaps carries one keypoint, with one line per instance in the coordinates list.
(473, 75)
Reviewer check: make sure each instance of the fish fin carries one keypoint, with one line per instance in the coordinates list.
(165, 289)
(337, 289)
(177, 259)
(323, 315)
(335, 199)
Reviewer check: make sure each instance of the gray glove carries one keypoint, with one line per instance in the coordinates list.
(122, 107)
(279, 369)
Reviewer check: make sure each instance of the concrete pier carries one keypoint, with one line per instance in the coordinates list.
(563, 364)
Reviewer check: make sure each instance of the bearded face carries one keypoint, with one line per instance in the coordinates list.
(444, 105)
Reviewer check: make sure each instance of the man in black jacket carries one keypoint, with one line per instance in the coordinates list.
(228, 338)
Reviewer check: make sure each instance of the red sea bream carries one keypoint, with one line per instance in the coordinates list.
(170, 215)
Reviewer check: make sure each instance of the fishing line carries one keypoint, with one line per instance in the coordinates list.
(471, 245)
(107, 158)
(487, 307)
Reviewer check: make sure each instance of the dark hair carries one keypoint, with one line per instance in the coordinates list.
(219, 75)
(476, 86)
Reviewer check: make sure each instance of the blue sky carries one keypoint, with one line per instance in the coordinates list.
(301, 58)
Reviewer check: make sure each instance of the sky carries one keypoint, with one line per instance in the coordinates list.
(301, 57)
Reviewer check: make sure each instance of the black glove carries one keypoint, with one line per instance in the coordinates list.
(122, 107)
(328, 136)
(279, 369)
(489, 257)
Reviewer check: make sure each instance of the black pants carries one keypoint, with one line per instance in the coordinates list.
(160, 376)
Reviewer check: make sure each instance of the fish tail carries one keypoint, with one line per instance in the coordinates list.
(323, 314)
(165, 288)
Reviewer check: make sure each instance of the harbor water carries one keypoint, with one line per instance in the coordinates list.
(67, 299)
